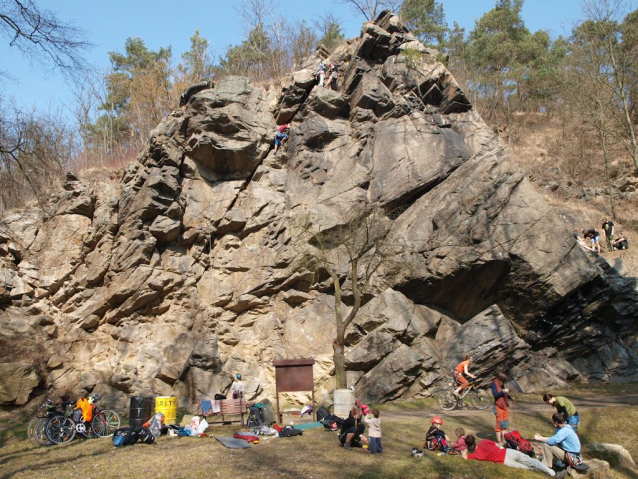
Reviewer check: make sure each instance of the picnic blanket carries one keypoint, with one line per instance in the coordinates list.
(308, 425)
(233, 443)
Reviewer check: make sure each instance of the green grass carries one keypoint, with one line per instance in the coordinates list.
(313, 455)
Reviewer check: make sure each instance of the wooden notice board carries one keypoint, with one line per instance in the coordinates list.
(293, 375)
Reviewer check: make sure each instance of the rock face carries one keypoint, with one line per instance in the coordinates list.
(189, 270)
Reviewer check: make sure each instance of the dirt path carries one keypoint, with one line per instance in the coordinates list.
(524, 406)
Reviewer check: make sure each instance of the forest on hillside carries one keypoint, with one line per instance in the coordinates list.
(577, 93)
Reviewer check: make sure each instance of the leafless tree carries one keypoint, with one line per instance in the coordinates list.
(351, 254)
(371, 8)
(43, 37)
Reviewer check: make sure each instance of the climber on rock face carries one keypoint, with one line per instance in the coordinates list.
(333, 74)
(281, 135)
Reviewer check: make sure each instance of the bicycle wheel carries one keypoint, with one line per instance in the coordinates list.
(37, 433)
(480, 399)
(60, 429)
(105, 422)
(446, 400)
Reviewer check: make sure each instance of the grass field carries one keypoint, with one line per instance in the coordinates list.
(316, 453)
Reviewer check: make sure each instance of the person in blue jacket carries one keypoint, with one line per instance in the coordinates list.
(564, 445)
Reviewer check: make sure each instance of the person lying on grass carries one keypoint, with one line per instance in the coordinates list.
(489, 451)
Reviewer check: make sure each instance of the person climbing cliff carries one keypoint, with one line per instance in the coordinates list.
(281, 135)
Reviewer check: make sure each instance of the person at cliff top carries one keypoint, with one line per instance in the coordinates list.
(564, 445)
(351, 434)
(460, 371)
(491, 452)
(621, 242)
(501, 407)
(237, 388)
(321, 73)
(608, 232)
(281, 135)
(594, 237)
(565, 407)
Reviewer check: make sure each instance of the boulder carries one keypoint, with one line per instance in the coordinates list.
(19, 379)
(615, 454)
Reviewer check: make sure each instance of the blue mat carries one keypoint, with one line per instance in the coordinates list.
(308, 425)
(232, 443)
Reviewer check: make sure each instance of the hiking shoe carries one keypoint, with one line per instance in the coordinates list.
(561, 474)
(347, 446)
(559, 465)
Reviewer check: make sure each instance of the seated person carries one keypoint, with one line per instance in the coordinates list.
(490, 451)
(620, 243)
(460, 371)
(351, 434)
(564, 445)
(459, 446)
(435, 438)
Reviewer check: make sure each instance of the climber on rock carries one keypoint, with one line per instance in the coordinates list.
(281, 135)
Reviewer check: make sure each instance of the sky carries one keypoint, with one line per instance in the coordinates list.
(163, 23)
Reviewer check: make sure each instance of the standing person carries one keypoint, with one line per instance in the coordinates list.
(321, 73)
(608, 233)
(565, 407)
(459, 371)
(490, 451)
(237, 387)
(281, 135)
(351, 434)
(594, 237)
(501, 407)
(374, 432)
(564, 445)
(333, 74)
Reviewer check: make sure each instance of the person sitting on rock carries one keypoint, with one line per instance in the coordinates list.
(489, 451)
(351, 434)
(564, 445)
(281, 135)
(594, 237)
(565, 407)
(459, 371)
(620, 243)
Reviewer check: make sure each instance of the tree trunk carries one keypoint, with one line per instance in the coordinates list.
(339, 358)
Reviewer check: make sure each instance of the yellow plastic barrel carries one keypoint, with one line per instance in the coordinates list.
(168, 406)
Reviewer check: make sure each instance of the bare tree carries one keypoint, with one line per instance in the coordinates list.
(371, 8)
(350, 253)
(41, 36)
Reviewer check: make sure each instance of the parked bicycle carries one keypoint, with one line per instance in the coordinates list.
(36, 428)
(62, 429)
(447, 400)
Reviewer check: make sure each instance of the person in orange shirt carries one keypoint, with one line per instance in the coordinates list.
(460, 371)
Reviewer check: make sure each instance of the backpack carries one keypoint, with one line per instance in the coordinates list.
(219, 397)
(322, 413)
(290, 431)
(255, 417)
(124, 436)
(515, 441)
(145, 436)
(155, 423)
(331, 422)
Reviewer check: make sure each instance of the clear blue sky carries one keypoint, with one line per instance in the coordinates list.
(163, 23)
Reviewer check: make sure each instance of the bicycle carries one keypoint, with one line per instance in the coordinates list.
(61, 428)
(448, 401)
(36, 427)
(104, 421)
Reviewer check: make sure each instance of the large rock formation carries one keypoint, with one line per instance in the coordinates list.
(188, 271)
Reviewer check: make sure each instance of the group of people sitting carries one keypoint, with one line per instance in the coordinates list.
(561, 453)
(612, 241)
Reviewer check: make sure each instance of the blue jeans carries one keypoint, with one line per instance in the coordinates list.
(375, 445)
(573, 421)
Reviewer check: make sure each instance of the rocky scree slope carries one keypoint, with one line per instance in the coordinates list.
(187, 272)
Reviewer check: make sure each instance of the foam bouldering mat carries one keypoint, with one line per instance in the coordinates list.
(232, 443)
(308, 425)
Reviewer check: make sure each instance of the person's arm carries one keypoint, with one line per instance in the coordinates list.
(464, 454)
(551, 441)
(468, 372)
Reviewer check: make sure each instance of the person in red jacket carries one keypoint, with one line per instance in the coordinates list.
(489, 451)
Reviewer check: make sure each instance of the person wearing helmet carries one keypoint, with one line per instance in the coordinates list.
(435, 438)
(237, 388)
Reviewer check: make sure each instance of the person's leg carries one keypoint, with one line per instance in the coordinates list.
(519, 460)
(503, 416)
(550, 453)
(463, 383)
(373, 445)
(379, 445)
(573, 421)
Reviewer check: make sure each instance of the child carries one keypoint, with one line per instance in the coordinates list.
(435, 438)
(459, 446)
(374, 432)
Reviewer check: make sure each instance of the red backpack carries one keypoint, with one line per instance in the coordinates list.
(515, 441)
